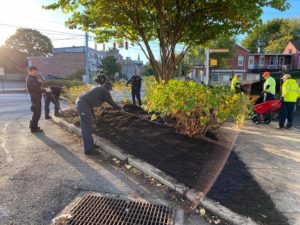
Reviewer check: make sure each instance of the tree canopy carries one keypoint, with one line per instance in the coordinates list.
(110, 65)
(185, 22)
(274, 35)
(31, 42)
(12, 60)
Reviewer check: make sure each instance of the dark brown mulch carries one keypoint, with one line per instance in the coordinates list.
(195, 162)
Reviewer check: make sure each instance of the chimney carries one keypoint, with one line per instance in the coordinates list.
(260, 49)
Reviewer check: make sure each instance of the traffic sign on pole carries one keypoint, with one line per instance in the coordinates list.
(218, 50)
(198, 66)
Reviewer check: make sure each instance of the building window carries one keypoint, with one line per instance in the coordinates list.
(261, 60)
(281, 61)
(240, 60)
(272, 61)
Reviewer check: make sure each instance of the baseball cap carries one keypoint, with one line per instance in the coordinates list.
(31, 68)
(288, 76)
(266, 74)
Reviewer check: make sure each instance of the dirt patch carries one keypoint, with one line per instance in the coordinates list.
(196, 162)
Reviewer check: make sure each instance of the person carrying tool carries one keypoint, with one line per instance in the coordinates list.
(101, 78)
(85, 104)
(236, 84)
(52, 95)
(269, 87)
(136, 84)
(34, 88)
(290, 94)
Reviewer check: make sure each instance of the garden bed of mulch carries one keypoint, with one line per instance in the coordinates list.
(195, 162)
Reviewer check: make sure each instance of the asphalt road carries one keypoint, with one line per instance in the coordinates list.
(41, 173)
(12, 86)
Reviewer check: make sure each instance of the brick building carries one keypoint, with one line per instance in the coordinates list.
(66, 61)
(293, 48)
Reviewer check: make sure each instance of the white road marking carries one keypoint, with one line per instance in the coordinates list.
(3, 141)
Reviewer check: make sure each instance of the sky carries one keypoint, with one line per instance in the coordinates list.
(29, 14)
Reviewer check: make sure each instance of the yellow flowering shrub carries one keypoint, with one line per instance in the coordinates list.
(72, 93)
(196, 108)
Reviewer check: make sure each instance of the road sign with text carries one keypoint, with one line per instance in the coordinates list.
(218, 50)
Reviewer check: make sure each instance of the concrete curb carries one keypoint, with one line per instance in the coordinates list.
(192, 195)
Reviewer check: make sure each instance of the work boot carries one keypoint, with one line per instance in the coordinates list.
(48, 117)
(36, 130)
(56, 113)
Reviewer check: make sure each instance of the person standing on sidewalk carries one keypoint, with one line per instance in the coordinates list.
(85, 104)
(34, 88)
(289, 96)
(269, 87)
(136, 84)
(101, 78)
(236, 84)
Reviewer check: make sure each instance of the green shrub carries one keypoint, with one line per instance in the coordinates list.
(77, 75)
(196, 108)
(61, 83)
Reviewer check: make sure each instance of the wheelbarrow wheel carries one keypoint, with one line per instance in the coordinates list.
(255, 118)
(267, 119)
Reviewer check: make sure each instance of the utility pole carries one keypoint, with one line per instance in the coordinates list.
(87, 67)
(206, 81)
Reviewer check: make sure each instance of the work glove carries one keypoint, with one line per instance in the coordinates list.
(281, 99)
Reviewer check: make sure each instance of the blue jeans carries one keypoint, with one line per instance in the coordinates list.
(85, 114)
(287, 111)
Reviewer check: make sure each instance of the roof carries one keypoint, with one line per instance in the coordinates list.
(242, 47)
(296, 43)
(271, 54)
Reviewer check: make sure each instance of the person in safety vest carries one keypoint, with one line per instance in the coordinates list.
(236, 84)
(290, 94)
(269, 87)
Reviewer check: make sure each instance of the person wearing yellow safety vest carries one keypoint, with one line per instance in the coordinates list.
(290, 93)
(236, 84)
(269, 87)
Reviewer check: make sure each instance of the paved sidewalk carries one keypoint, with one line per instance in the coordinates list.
(273, 158)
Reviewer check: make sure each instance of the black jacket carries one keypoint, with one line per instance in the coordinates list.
(136, 82)
(55, 90)
(96, 96)
(34, 87)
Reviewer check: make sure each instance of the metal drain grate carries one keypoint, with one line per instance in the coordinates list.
(98, 210)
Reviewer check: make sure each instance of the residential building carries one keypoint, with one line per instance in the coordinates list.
(129, 66)
(293, 48)
(251, 65)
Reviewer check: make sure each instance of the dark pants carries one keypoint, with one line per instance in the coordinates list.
(36, 108)
(137, 94)
(85, 114)
(287, 111)
(269, 97)
(48, 99)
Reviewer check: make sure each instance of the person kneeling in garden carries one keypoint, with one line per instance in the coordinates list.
(85, 104)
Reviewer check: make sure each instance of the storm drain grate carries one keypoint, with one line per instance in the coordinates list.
(93, 209)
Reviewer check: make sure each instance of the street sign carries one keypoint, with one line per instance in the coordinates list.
(198, 66)
(213, 62)
(218, 50)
